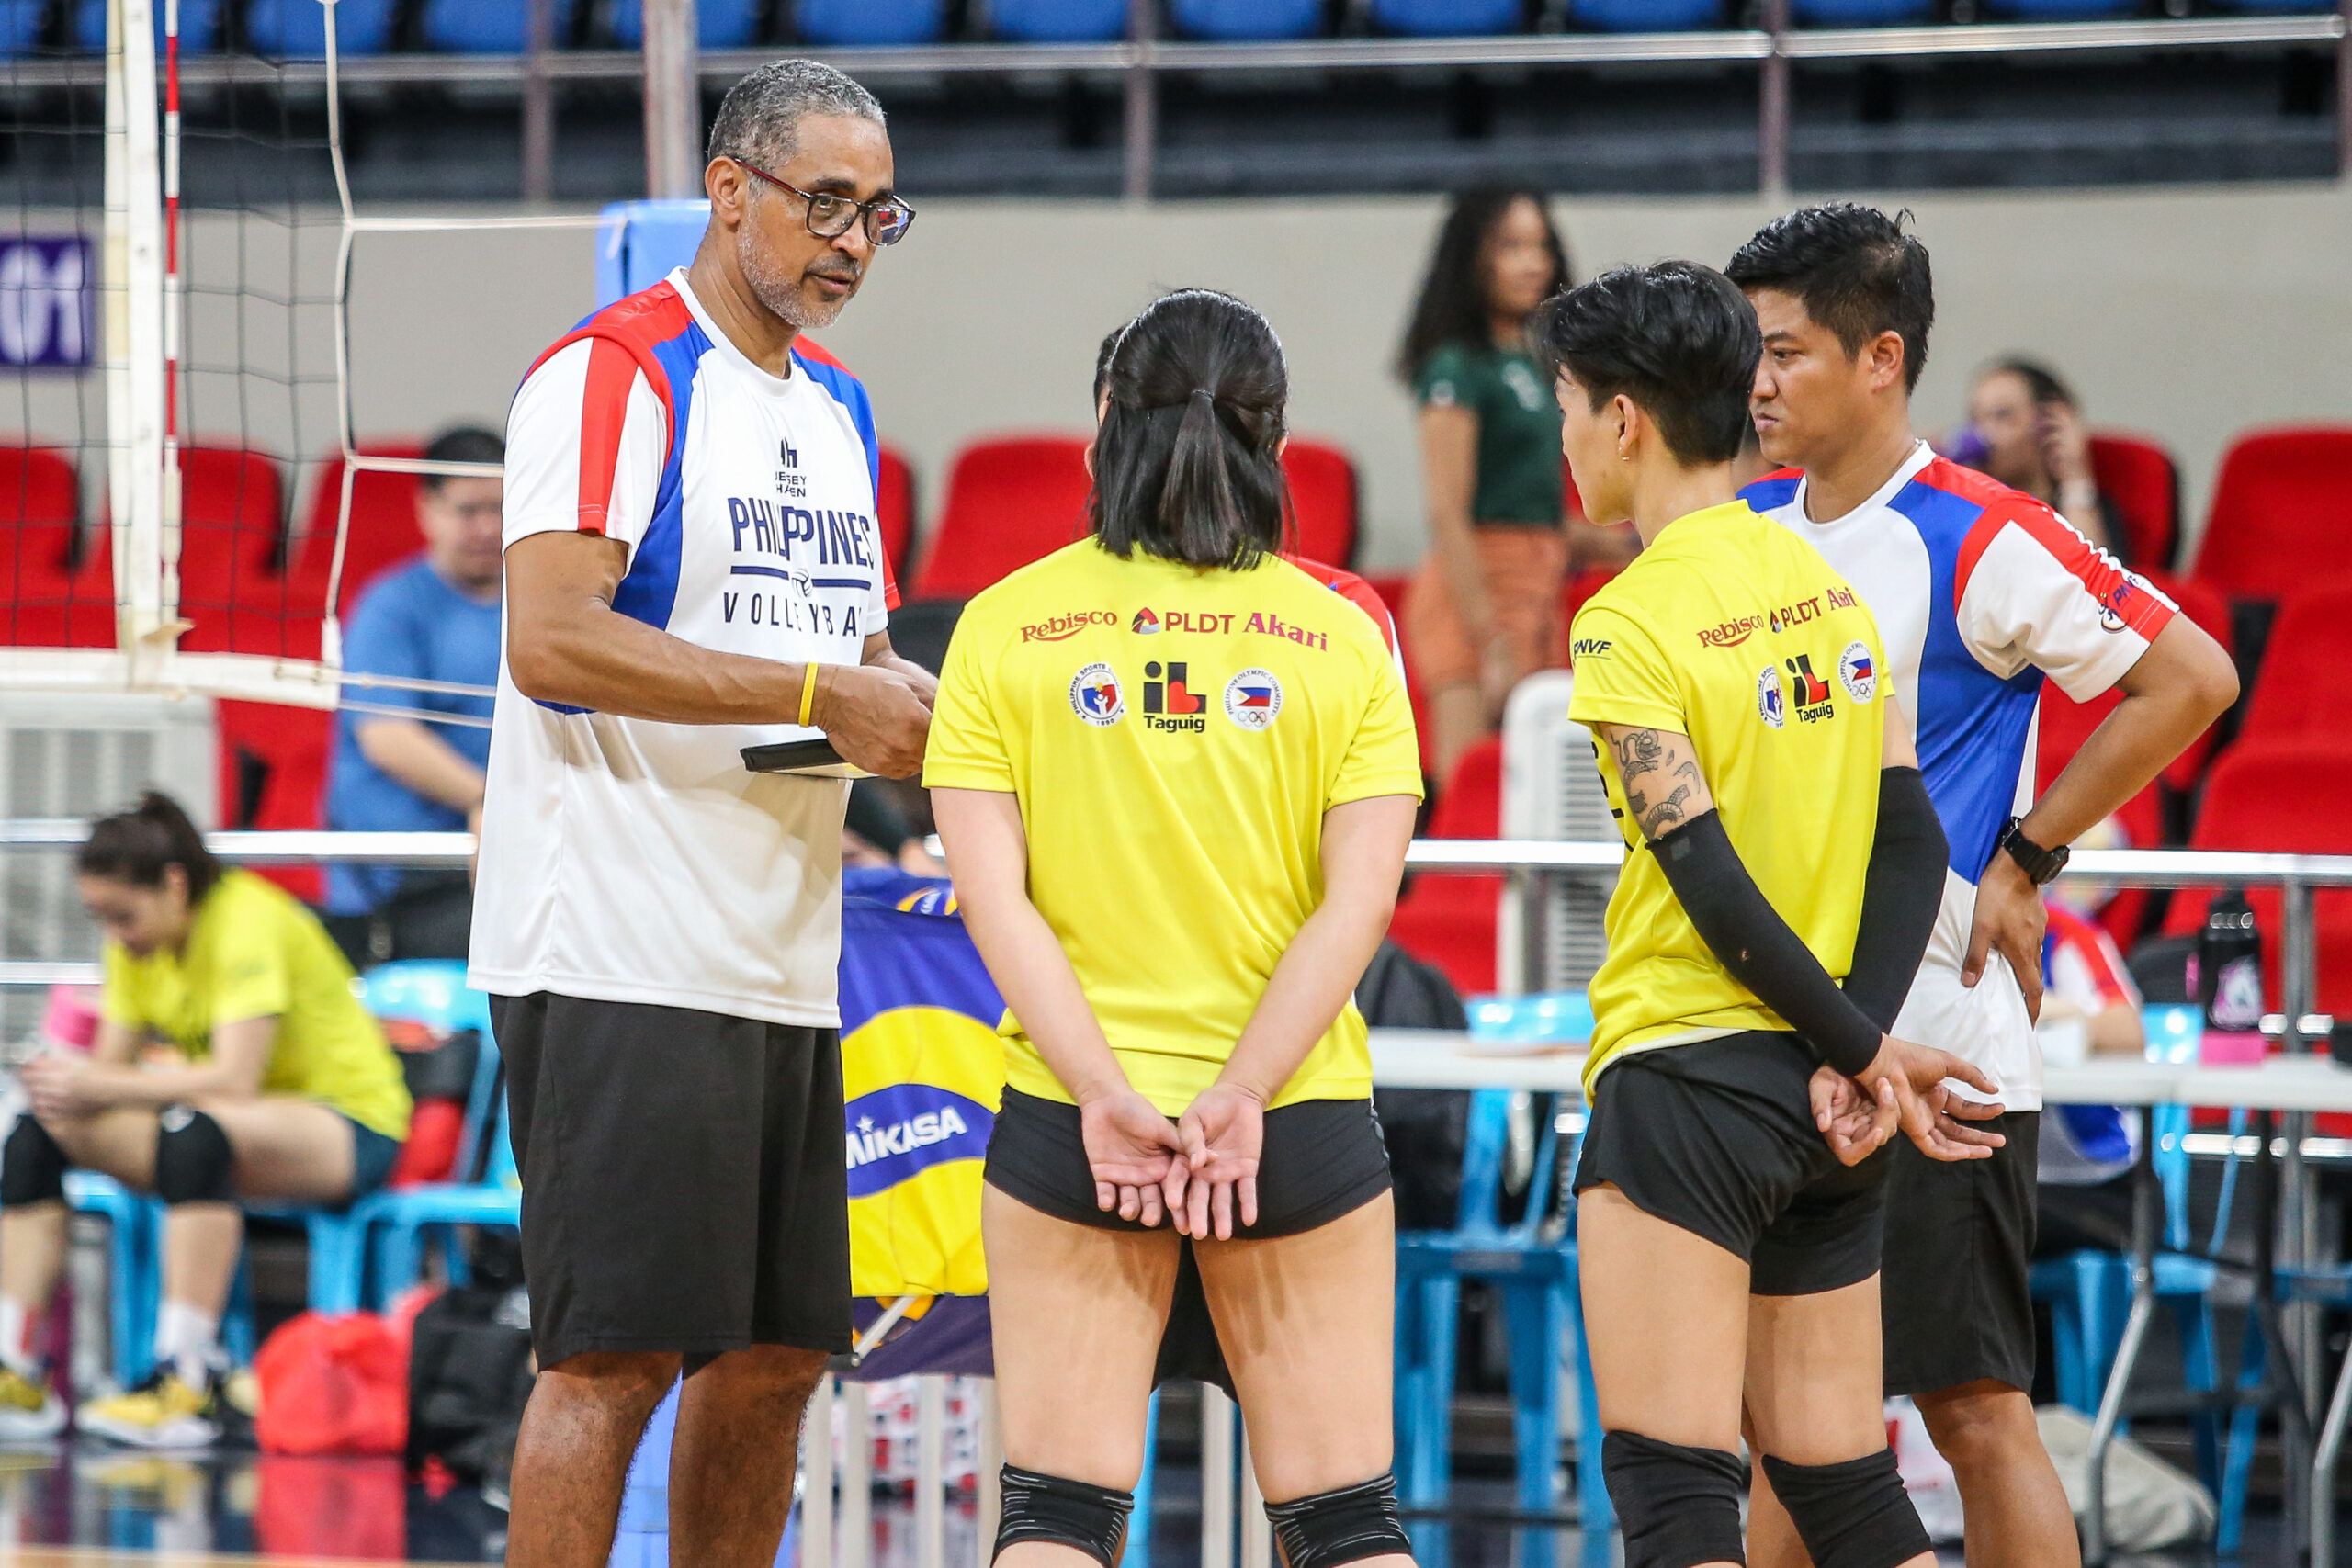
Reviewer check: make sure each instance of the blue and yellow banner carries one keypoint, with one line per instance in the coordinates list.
(923, 1074)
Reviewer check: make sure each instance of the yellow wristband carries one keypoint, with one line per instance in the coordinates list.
(807, 692)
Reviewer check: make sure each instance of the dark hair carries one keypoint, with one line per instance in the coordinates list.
(1187, 462)
(1103, 362)
(462, 444)
(2041, 383)
(1678, 338)
(759, 119)
(135, 846)
(1453, 304)
(1857, 272)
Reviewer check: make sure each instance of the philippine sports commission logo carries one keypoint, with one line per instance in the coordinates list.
(1858, 671)
(1253, 699)
(1094, 695)
(1772, 703)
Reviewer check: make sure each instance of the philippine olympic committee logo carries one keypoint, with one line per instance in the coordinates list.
(1253, 699)
(1094, 696)
(1858, 671)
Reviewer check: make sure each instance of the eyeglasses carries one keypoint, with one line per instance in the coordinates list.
(886, 218)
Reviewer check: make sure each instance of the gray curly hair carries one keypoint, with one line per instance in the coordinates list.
(758, 120)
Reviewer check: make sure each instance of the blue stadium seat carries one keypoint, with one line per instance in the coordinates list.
(20, 24)
(486, 27)
(720, 24)
(1861, 13)
(200, 23)
(2276, 7)
(1059, 21)
(854, 22)
(1648, 15)
(1242, 21)
(297, 30)
(1447, 18)
(2060, 10)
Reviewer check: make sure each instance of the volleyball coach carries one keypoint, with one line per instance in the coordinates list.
(692, 567)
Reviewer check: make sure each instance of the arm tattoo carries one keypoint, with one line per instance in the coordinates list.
(1641, 754)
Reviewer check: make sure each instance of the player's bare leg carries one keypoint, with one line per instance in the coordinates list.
(731, 1462)
(1307, 1324)
(1078, 1313)
(572, 1457)
(2009, 1491)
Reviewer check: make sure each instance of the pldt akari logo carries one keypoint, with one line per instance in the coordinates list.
(1145, 624)
(899, 1131)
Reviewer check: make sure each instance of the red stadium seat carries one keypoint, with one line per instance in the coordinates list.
(2140, 477)
(39, 502)
(383, 527)
(1010, 501)
(2305, 687)
(1391, 590)
(1578, 588)
(2289, 797)
(1323, 502)
(894, 510)
(233, 520)
(2281, 506)
(1448, 919)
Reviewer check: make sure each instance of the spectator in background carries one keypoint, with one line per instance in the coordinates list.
(432, 618)
(2026, 430)
(232, 1060)
(1485, 609)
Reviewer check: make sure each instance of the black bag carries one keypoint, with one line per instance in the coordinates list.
(444, 1071)
(470, 1373)
(1425, 1128)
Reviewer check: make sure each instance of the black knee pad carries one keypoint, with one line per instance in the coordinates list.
(1346, 1524)
(32, 1168)
(1851, 1515)
(193, 1160)
(1068, 1513)
(1676, 1506)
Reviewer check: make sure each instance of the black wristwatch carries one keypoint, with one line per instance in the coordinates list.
(2040, 867)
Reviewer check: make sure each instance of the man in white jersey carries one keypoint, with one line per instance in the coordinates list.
(693, 567)
(1981, 592)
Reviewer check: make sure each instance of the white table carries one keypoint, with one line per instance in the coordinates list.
(1429, 1058)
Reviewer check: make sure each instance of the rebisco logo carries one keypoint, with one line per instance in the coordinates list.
(1054, 628)
(1731, 633)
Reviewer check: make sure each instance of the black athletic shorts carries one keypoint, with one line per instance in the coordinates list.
(682, 1182)
(1717, 1137)
(1322, 1158)
(1955, 1302)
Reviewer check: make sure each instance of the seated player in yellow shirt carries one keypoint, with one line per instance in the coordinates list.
(1176, 776)
(233, 1061)
(1780, 842)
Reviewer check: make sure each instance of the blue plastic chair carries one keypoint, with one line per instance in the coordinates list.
(488, 26)
(1537, 1280)
(394, 1222)
(2061, 10)
(870, 22)
(297, 30)
(1648, 15)
(1246, 21)
(1447, 18)
(1859, 12)
(718, 24)
(200, 24)
(1059, 21)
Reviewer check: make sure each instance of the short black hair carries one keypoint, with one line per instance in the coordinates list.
(1856, 271)
(462, 444)
(1188, 458)
(1677, 337)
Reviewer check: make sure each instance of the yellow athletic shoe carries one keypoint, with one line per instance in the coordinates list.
(30, 1412)
(163, 1413)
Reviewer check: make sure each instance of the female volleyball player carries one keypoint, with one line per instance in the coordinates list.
(1176, 776)
(231, 1060)
(1729, 1214)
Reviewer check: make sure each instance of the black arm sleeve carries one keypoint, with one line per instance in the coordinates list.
(1900, 897)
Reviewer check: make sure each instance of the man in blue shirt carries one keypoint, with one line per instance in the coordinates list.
(433, 617)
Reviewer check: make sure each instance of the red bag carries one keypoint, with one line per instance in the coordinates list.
(333, 1385)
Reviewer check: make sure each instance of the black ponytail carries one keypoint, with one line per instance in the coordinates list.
(135, 846)
(1187, 462)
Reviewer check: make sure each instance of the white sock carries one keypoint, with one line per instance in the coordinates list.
(16, 1339)
(188, 1338)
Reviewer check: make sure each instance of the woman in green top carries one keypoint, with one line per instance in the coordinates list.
(232, 1060)
(1485, 609)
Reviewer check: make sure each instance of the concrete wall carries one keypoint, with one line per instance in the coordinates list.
(2190, 314)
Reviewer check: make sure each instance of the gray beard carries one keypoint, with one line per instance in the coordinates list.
(782, 295)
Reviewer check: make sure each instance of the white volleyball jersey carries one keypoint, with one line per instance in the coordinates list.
(627, 861)
(1980, 591)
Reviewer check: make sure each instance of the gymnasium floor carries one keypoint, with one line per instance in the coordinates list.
(96, 1507)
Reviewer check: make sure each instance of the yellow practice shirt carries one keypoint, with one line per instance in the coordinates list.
(1175, 735)
(254, 952)
(1733, 631)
